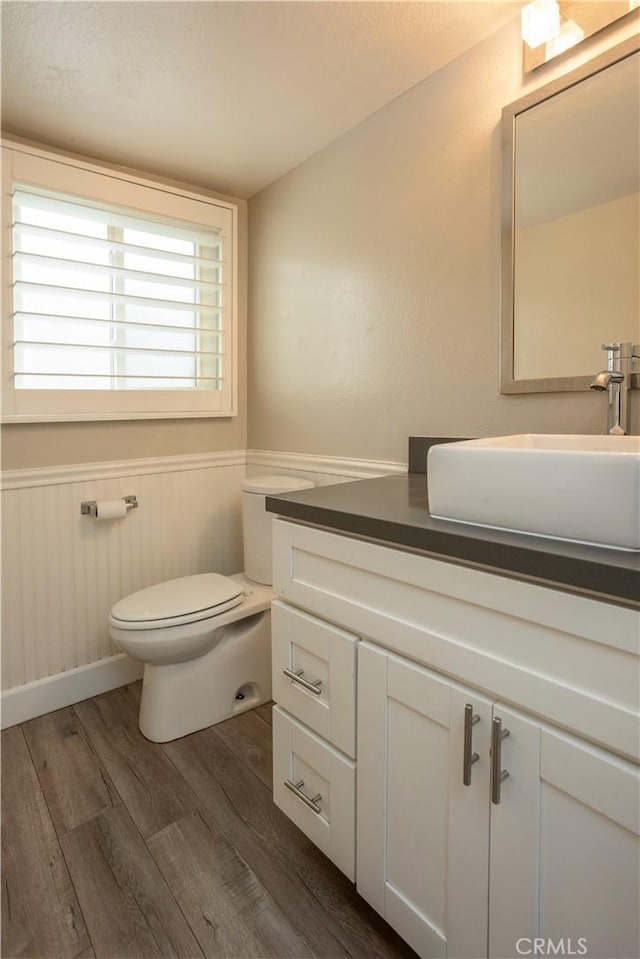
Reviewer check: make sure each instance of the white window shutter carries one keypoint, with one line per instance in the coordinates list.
(119, 309)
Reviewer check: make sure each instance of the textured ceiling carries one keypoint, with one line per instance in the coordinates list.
(228, 95)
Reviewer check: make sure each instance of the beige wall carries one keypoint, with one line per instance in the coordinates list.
(61, 444)
(375, 275)
(26, 445)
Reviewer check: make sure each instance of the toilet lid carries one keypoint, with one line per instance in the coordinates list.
(206, 594)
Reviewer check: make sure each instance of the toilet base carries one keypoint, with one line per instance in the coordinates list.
(181, 698)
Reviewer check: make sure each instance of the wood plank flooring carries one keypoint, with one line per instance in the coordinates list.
(118, 848)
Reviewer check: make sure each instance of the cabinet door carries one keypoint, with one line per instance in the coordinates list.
(422, 835)
(565, 856)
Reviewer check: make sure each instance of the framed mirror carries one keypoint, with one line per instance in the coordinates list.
(571, 224)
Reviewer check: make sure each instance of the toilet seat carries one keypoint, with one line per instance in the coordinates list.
(188, 599)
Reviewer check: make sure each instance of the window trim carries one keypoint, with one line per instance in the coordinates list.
(22, 163)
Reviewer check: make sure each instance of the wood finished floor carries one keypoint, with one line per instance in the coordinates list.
(118, 848)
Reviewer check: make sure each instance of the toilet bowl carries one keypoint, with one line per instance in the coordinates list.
(205, 639)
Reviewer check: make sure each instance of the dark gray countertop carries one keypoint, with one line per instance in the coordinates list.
(394, 511)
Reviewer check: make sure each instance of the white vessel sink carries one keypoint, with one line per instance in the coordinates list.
(580, 488)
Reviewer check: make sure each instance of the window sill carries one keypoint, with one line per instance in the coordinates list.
(9, 418)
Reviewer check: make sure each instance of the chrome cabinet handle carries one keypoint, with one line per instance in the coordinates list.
(296, 789)
(314, 687)
(469, 757)
(498, 775)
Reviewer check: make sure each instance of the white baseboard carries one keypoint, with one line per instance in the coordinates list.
(65, 689)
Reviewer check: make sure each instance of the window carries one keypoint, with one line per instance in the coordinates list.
(117, 308)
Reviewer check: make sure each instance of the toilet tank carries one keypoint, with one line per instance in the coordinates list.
(256, 522)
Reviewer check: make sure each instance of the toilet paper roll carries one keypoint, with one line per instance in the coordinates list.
(110, 509)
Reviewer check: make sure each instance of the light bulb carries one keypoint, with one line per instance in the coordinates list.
(540, 22)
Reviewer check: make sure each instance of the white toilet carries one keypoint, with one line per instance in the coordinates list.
(205, 640)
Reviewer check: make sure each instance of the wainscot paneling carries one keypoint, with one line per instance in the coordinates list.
(62, 571)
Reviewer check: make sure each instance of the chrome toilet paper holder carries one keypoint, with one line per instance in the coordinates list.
(90, 507)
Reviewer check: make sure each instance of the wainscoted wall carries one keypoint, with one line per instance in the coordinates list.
(62, 571)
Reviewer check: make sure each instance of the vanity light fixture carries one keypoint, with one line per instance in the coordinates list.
(540, 22)
(549, 27)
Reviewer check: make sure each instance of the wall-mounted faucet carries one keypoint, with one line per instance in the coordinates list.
(617, 381)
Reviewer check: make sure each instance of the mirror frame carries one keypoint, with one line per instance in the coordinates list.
(551, 384)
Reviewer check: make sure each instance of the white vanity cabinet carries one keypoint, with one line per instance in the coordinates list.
(460, 858)
(457, 857)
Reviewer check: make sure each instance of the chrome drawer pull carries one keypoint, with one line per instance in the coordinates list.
(296, 677)
(469, 757)
(296, 789)
(498, 775)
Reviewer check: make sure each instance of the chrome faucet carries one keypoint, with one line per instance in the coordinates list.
(616, 380)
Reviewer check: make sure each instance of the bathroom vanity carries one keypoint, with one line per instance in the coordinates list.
(457, 720)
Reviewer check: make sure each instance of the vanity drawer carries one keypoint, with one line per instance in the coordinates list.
(326, 657)
(320, 797)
